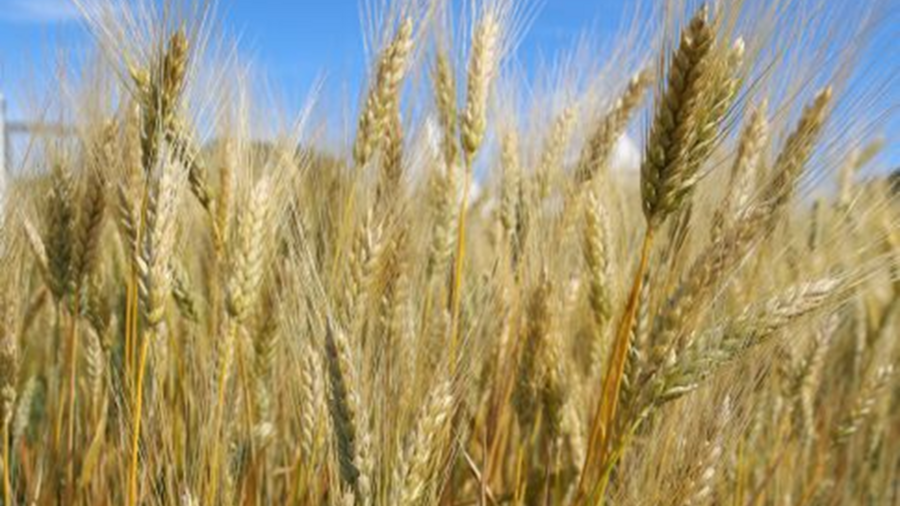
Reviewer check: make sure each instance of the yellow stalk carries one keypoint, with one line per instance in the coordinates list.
(7, 483)
(459, 262)
(136, 433)
(612, 382)
(224, 363)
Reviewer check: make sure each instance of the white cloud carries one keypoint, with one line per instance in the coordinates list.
(626, 157)
(38, 11)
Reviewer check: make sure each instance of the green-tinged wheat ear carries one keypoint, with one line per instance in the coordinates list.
(420, 461)
(636, 360)
(97, 305)
(483, 63)
(250, 256)
(526, 396)
(686, 305)
(348, 420)
(872, 391)
(384, 94)
(59, 238)
(90, 227)
(668, 172)
(602, 139)
(595, 248)
(703, 357)
(743, 171)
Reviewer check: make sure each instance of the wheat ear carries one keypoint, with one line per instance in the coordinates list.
(419, 462)
(482, 66)
(666, 175)
(602, 140)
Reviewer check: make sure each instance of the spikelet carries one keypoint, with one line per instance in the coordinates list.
(743, 171)
(754, 327)
(419, 462)
(174, 70)
(392, 162)
(510, 183)
(555, 385)
(720, 87)
(526, 396)
(809, 378)
(347, 417)
(445, 102)
(312, 393)
(554, 150)
(442, 194)
(158, 92)
(59, 238)
(38, 250)
(637, 352)
(9, 372)
(596, 257)
(250, 254)
(483, 62)
(22, 418)
(90, 227)
(602, 139)
(668, 172)
(699, 488)
(182, 293)
(796, 151)
(369, 247)
(384, 94)
(864, 406)
(186, 153)
(158, 244)
(857, 160)
(95, 359)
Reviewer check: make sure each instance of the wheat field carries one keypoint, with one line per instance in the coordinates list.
(463, 295)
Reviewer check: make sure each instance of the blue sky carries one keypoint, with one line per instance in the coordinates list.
(294, 41)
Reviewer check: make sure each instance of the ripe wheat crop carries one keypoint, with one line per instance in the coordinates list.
(470, 298)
